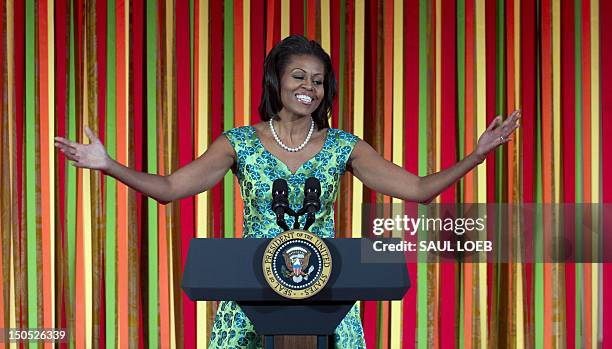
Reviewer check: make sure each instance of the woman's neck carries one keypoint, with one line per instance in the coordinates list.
(291, 127)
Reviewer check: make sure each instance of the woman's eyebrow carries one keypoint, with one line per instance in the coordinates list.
(315, 74)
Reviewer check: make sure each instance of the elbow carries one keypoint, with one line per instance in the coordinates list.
(165, 196)
(424, 197)
(163, 201)
(426, 201)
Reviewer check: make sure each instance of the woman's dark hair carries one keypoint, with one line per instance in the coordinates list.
(274, 66)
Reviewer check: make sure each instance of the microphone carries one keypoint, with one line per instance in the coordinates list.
(280, 201)
(312, 203)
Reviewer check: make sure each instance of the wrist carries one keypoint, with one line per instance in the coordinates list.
(110, 168)
(478, 158)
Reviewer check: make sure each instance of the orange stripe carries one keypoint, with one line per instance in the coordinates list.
(122, 197)
(270, 25)
(44, 164)
(546, 63)
(238, 102)
(467, 305)
(385, 324)
(164, 307)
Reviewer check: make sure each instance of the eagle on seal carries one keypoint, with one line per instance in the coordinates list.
(297, 262)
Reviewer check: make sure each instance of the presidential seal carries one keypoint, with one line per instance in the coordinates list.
(297, 264)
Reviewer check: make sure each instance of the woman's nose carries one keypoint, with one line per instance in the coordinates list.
(307, 84)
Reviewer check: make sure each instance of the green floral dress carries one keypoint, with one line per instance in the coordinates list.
(256, 169)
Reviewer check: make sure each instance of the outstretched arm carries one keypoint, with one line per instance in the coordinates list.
(387, 178)
(197, 176)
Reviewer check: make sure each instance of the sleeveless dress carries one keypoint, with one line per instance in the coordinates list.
(256, 169)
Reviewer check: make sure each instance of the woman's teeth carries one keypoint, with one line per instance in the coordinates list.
(304, 99)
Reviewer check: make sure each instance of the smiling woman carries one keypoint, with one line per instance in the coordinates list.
(294, 142)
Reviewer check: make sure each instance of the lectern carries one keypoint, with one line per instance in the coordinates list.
(231, 269)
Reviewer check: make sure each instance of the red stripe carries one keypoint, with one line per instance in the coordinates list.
(448, 158)
(296, 23)
(137, 103)
(411, 137)
(606, 127)
(311, 19)
(370, 315)
(216, 108)
(373, 309)
(19, 32)
(370, 110)
(449, 95)
(258, 52)
(567, 147)
(528, 79)
(60, 118)
(185, 146)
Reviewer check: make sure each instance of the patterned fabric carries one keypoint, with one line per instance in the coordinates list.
(256, 168)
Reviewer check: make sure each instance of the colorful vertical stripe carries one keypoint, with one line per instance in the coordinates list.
(417, 80)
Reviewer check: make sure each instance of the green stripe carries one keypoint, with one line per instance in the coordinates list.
(111, 183)
(30, 163)
(422, 267)
(579, 163)
(500, 95)
(500, 174)
(151, 8)
(228, 110)
(461, 91)
(71, 171)
(539, 266)
(461, 140)
(306, 15)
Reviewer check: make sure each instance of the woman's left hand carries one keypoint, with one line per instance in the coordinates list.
(497, 133)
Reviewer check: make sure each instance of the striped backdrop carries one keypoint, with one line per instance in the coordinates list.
(420, 80)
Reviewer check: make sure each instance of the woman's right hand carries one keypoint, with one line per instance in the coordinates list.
(93, 155)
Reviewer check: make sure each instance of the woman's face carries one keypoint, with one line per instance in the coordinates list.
(301, 85)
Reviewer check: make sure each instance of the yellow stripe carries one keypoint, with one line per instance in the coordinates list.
(481, 170)
(520, 321)
(358, 109)
(169, 110)
(202, 142)
(87, 259)
(285, 11)
(556, 80)
(169, 75)
(325, 26)
(51, 148)
(398, 138)
(246, 69)
(86, 209)
(595, 161)
(481, 116)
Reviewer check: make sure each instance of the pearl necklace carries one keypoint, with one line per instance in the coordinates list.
(289, 149)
